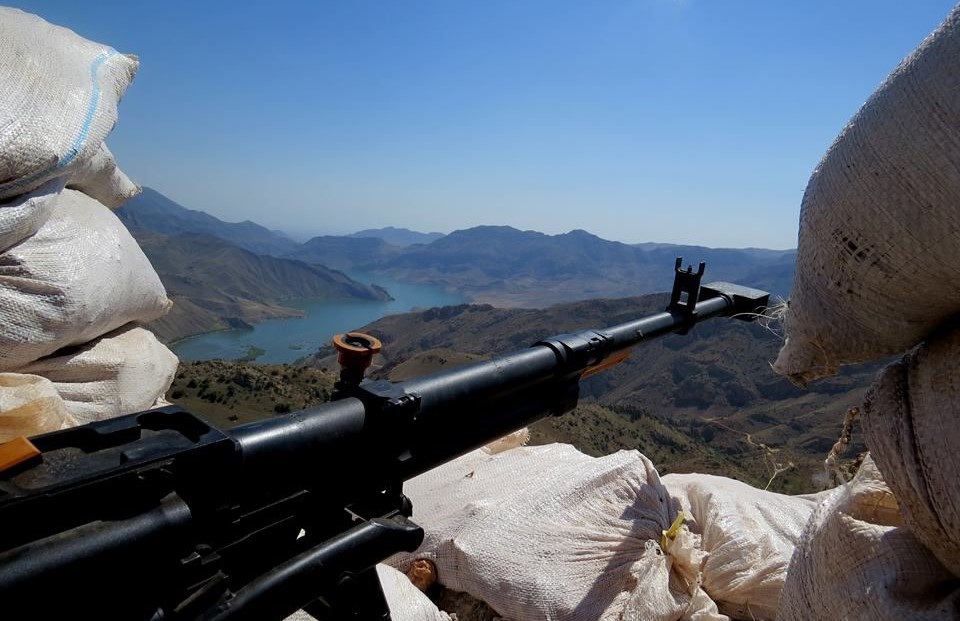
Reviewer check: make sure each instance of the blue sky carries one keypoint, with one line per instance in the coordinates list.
(686, 121)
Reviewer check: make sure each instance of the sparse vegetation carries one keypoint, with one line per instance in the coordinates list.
(229, 393)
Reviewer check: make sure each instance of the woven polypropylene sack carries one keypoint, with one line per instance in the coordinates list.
(101, 179)
(547, 532)
(877, 261)
(30, 405)
(121, 373)
(857, 560)
(80, 276)
(406, 602)
(748, 535)
(58, 99)
(910, 424)
(23, 216)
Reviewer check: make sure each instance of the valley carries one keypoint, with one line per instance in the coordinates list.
(225, 276)
(705, 402)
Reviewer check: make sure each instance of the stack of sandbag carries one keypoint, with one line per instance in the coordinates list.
(858, 560)
(547, 532)
(73, 282)
(910, 422)
(877, 259)
(878, 273)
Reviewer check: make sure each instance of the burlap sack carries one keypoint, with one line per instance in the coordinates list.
(910, 421)
(58, 100)
(877, 261)
(121, 373)
(857, 560)
(78, 277)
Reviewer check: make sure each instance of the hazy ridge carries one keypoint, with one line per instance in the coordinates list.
(151, 211)
(239, 272)
(215, 285)
(398, 236)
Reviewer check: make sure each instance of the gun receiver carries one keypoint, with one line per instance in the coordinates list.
(158, 515)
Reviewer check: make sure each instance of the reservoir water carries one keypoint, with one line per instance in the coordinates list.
(285, 340)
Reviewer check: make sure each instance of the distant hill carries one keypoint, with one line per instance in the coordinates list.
(494, 264)
(713, 386)
(217, 285)
(507, 267)
(345, 253)
(154, 212)
(398, 236)
(762, 253)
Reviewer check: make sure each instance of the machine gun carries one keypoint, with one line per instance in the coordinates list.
(159, 516)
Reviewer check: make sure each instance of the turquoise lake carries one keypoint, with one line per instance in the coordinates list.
(285, 340)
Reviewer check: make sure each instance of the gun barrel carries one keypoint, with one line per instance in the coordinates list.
(51, 577)
(456, 411)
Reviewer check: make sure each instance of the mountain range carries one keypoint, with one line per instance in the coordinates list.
(222, 275)
(152, 211)
(399, 236)
(506, 267)
(493, 264)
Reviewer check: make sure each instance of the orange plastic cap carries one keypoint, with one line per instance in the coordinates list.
(16, 451)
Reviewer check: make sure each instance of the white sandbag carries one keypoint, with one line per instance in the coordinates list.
(23, 216)
(877, 264)
(748, 535)
(101, 179)
(405, 601)
(547, 532)
(856, 560)
(121, 373)
(910, 423)
(58, 99)
(509, 441)
(30, 405)
(78, 277)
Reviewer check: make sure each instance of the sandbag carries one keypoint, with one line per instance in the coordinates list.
(78, 277)
(748, 535)
(547, 532)
(30, 405)
(406, 602)
(101, 179)
(877, 261)
(121, 373)
(23, 216)
(910, 424)
(857, 560)
(58, 100)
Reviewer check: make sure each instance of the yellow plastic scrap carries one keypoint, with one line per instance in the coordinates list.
(671, 533)
(16, 451)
